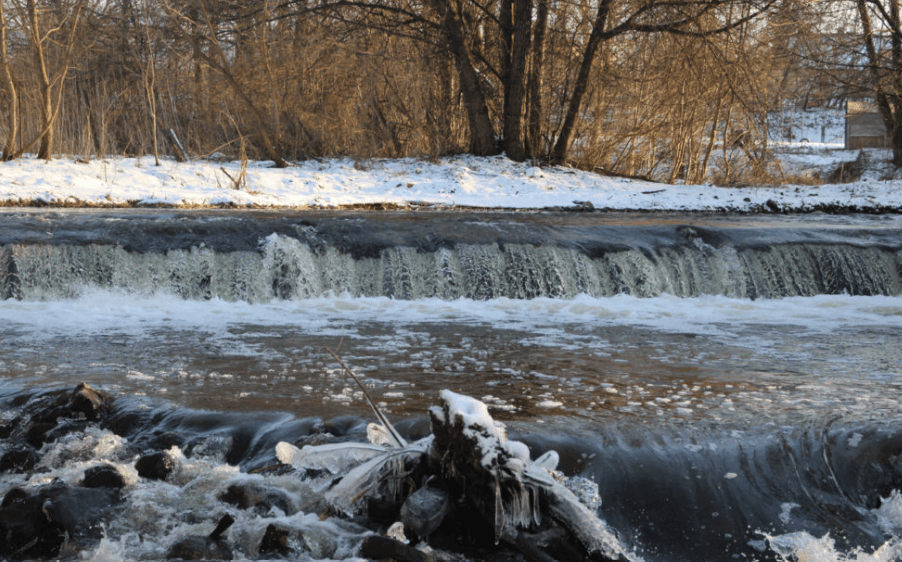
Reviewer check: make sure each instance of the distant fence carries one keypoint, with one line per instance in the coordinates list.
(864, 126)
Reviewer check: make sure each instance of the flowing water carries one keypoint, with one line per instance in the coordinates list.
(731, 383)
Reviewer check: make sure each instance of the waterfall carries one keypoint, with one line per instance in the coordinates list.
(285, 267)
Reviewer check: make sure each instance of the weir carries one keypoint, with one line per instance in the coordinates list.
(286, 268)
(260, 258)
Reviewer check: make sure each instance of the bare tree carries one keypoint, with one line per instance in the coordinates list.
(45, 35)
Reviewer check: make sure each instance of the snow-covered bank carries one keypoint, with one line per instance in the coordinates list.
(462, 181)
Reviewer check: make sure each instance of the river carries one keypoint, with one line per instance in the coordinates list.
(731, 383)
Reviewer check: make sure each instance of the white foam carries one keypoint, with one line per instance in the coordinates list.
(101, 311)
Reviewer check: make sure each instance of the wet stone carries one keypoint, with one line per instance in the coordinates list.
(425, 509)
(275, 541)
(211, 547)
(35, 524)
(19, 460)
(36, 435)
(103, 476)
(6, 429)
(25, 530)
(87, 401)
(200, 548)
(252, 495)
(377, 547)
(155, 466)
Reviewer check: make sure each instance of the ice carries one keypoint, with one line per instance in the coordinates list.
(337, 458)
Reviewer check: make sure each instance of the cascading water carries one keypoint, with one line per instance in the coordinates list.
(731, 384)
(211, 257)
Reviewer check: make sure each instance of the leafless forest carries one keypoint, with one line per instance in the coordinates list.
(650, 88)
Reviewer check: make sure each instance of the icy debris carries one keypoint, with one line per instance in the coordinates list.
(337, 458)
(468, 453)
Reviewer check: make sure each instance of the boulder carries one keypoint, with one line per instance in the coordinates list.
(87, 401)
(103, 476)
(155, 466)
(275, 541)
(211, 547)
(377, 547)
(19, 460)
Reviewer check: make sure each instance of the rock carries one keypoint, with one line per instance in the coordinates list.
(87, 401)
(200, 548)
(36, 524)
(103, 476)
(36, 435)
(25, 530)
(425, 509)
(253, 495)
(155, 466)
(211, 547)
(19, 460)
(275, 541)
(377, 547)
(6, 429)
(80, 511)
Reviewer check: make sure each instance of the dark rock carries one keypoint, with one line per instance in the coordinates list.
(13, 495)
(252, 495)
(224, 523)
(425, 509)
(19, 460)
(37, 433)
(155, 466)
(165, 440)
(87, 401)
(377, 547)
(79, 510)
(51, 415)
(35, 525)
(211, 547)
(772, 205)
(343, 426)
(275, 541)
(103, 476)
(200, 548)
(6, 429)
(25, 530)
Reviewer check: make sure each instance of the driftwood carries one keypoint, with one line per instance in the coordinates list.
(468, 463)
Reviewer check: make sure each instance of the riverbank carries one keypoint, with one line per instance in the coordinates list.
(448, 183)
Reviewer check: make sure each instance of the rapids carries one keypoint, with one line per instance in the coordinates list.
(731, 383)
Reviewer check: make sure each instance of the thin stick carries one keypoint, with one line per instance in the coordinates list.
(392, 432)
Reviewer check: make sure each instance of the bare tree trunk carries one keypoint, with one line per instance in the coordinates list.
(562, 146)
(50, 107)
(703, 171)
(150, 79)
(482, 134)
(9, 146)
(884, 100)
(46, 88)
(515, 97)
(535, 83)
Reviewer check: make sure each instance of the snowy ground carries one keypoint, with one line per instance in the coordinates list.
(462, 181)
(806, 145)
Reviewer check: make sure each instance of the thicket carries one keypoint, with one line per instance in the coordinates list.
(651, 88)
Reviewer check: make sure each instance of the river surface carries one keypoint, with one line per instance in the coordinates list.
(731, 383)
